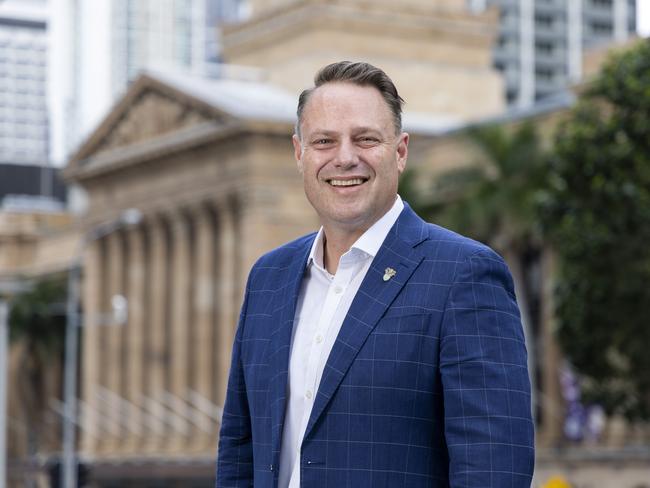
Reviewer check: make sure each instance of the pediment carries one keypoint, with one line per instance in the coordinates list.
(152, 115)
(150, 111)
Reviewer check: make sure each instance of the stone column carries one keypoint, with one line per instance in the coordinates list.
(228, 294)
(181, 320)
(135, 335)
(114, 338)
(204, 307)
(91, 345)
(156, 354)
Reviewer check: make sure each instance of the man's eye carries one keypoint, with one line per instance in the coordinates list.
(322, 141)
(368, 140)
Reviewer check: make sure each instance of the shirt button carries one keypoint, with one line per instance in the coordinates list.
(319, 339)
(338, 289)
(308, 394)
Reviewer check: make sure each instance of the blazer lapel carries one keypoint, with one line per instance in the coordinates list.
(280, 343)
(372, 300)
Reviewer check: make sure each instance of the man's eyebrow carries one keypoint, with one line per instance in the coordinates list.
(324, 132)
(358, 130)
(355, 132)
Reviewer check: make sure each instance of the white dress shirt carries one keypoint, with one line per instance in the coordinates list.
(322, 305)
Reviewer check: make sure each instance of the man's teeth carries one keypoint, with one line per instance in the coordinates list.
(356, 181)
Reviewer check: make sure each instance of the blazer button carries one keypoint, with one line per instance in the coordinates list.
(271, 467)
(308, 462)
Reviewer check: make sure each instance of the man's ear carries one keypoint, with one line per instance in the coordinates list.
(297, 151)
(402, 151)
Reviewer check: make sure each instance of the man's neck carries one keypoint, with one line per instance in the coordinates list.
(335, 245)
(338, 239)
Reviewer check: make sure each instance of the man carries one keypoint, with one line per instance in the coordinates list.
(381, 351)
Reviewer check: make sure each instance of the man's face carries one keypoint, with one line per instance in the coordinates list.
(349, 155)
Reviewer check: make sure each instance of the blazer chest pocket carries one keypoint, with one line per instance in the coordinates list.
(407, 321)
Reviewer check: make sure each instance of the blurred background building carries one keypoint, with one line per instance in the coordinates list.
(541, 42)
(99, 47)
(23, 82)
(183, 110)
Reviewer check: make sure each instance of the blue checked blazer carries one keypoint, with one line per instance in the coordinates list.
(425, 386)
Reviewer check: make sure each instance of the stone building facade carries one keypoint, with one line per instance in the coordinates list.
(437, 52)
(216, 191)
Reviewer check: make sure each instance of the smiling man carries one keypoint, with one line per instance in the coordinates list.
(381, 351)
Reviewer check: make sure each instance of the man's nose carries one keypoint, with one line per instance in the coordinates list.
(348, 154)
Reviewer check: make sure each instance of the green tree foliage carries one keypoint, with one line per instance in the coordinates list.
(494, 202)
(597, 214)
(38, 317)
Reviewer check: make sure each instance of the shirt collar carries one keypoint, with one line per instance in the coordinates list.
(369, 242)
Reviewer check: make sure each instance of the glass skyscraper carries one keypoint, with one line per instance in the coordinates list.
(23, 82)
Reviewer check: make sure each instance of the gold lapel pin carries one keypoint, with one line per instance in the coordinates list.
(389, 273)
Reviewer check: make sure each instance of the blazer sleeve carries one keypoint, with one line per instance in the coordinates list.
(483, 366)
(235, 452)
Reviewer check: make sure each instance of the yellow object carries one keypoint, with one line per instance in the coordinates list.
(556, 482)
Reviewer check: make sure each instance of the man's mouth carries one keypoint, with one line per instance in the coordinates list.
(350, 182)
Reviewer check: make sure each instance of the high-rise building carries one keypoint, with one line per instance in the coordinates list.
(23, 82)
(181, 34)
(102, 45)
(541, 42)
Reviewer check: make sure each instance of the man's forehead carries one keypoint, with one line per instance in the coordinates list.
(345, 91)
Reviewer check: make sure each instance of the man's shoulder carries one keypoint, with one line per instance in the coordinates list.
(284, 256)
(436, 241)
(447, 243)
(447, 252)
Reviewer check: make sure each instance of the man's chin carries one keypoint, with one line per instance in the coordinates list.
(350, 219)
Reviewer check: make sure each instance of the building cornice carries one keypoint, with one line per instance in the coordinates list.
(164, 145)
(381, 19)
(143, 84)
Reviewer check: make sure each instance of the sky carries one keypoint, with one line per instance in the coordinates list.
(643, 16)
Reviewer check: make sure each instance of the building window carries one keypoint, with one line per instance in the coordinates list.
(544, 74)
(544, 21)
(544, 47)
(601, 28)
